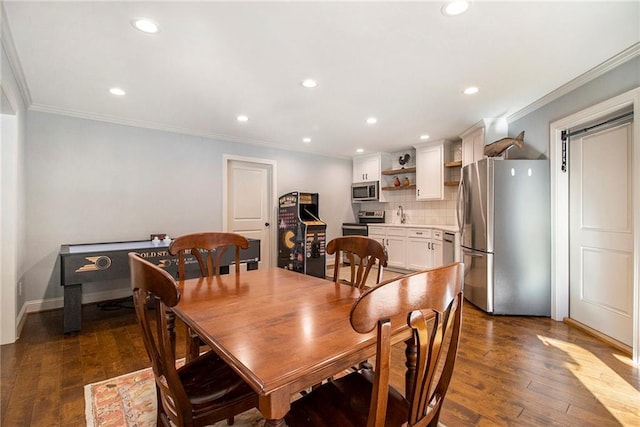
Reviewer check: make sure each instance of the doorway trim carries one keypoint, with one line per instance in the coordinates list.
(560, 207)
(226, 160)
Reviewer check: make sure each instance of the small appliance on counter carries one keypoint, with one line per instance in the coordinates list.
(301, 234)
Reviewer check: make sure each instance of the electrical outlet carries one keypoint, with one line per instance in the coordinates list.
(20, 288)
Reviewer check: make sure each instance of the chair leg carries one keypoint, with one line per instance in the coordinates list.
(230, 421)
(193, 345)
(171, 328)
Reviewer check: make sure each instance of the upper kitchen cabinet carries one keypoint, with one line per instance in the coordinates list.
(430, 169)
(484, 132)
(369, 167)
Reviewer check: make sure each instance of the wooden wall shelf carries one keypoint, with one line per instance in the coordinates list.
(453, 164)
(399, 171)
(406, 187)
(451, 183)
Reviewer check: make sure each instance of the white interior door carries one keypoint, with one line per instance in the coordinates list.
(601, 231)
(249, 202)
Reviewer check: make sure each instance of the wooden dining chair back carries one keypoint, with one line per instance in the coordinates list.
(207, 248)
(363, 254)
(432, 301)
(202, 391)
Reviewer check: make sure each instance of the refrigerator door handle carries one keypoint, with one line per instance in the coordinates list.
(472, 253)
(460, 206)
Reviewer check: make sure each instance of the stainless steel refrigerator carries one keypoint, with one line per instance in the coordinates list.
(503, 212)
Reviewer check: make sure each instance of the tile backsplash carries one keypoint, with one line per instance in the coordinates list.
(437, 212)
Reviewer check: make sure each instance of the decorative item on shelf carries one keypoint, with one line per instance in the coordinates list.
(406, 182)
(396, 182)
(403, 160)
(500, 146)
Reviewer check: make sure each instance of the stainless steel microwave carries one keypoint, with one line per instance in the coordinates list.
(365, 191)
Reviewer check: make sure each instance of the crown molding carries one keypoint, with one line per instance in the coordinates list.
(172, 129)
(6, 40)
(608, 65)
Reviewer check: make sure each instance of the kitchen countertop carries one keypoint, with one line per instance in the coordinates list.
(450, 228)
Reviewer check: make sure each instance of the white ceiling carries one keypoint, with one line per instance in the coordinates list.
(404, 63)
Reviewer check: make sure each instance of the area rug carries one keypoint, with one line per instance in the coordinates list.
(130, 400)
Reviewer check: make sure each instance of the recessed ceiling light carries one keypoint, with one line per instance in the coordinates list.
(471, 90)
(372, 120)
(360, 150)
(455, 7)
(423, 137)
(306, 140)
(117, 91)
(145, 25)
(243, 118)
(309, 83)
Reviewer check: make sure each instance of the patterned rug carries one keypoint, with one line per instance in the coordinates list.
(130, 400)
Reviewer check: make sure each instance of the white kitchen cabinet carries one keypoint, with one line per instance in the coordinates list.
(430, 170)
(484, 132)
(378, 233)
(424, 248)
(366, 168)
(436, 248)
(369, 167)
(394, 240)
(419, 255)
(409, 248)
(396, 244)
(473, 146)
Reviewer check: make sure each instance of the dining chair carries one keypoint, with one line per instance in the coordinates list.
(207, 249)
(432, 300)
(204, 390)
(363, 253)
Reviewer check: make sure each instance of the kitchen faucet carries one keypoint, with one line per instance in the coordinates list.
(401, 214)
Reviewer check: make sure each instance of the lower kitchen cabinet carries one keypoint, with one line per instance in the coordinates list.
(424, 248)
(436, 248)
(396, 244)
(410, 248)
(419, 254)
(394, 240)
(378, 233)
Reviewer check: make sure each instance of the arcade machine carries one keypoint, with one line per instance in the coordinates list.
(301, 234)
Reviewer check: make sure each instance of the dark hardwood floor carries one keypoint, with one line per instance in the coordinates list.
(510, 371)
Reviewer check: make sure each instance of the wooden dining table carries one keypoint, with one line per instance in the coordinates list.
(282, 331)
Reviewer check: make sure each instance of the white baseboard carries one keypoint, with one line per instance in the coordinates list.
(22, 317)
(90, 298)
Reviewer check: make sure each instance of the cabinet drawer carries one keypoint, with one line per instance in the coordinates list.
(396, 231)
(436, 234)
(377, 231)
(423, 233)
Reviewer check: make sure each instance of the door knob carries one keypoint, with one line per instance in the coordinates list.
(266, 224)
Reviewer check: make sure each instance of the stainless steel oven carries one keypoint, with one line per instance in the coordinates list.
(355, 229)
(361, 228)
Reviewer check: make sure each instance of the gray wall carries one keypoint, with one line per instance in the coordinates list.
(536, 124)
(91, 181)
(12, 200)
